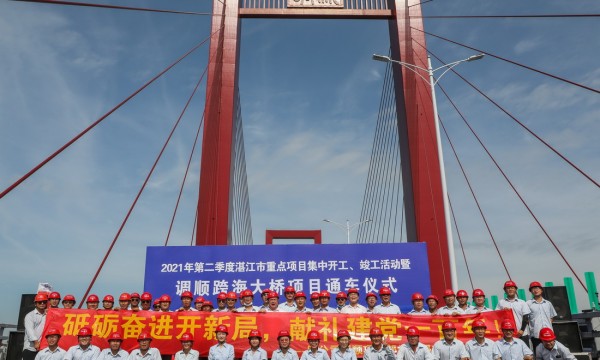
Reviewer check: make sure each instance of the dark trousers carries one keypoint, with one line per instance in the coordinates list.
(29, 355)
(535, 342)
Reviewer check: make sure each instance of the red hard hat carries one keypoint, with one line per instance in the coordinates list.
(434, 298)
(352, 291)
(199, 299)
(300, 294)
(254, 333)
(222, 328)
(246, 292)
(115, 336)
(324, 293)
(208, 303)
(156, 302)
(507, 325)
(109, 298)
(478, 324)
(52, 331)
(448, 325)
(385, 291)
(125, 297)
(449, 292)
(313, 335)
(144, 336)
(146, 296)
(341, 295)
(135, 295)
(283, 333)
(314, 295)
(92, 298)
(462, 293)
(343, 333)
(164, 298)
(369, 295)
(69, 298)
(510, 283)
(187, 294)
(187, 337)
(41, 297)
(412, 331)
(232, 295)
(273, 295)
(265, 291)
(375, 331)
(54, 295)
(85, 331)
(221, 296)
(289, 289)
(478, 292)
(534, 284)
(417, 296)
(546, 334)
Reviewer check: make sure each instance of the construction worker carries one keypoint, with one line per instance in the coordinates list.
(479, 303)
(53, 300)
(520, 309)
(124, 301)
(135, 301)
(289, 305)
(451, 308)
(263, 296)
(146, 301)
(509, 347)
(246, 299)
(550, 348)
(371, 302)
(164, 303)
(324, 298)
(114, 350)
(449, 348)
(186, 301)
(198, 303)
(314, 352)
(300, 298)
(273, 305)
(353, 307)
(84, 350)
(378, 350)
(542, 313)
(480, 347)
(52, 352)
(284, 352)
(207, 306)
(343, 351)
(108, 302)
(156, 305)
(34, 326)
(462, 297)
(68, 302)
(413, 349)
(432, 304)
(221, 302)
(386, 306)
(186, 352)
(340, 300)
(314, 300)
(144, 351)
(418, 305)
(231, 301)
(92, 302)
(255, 352)
(221, 350)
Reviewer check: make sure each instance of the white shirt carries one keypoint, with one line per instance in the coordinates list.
(349, 354)
(192, 355)
(541, 316)
(152, 354)
(252, 309)
(75, 352)
(455, 350)
(290, 354)
(384, 353)
(107, 354)
(477, 351)
(419, 313)
(558, 352)
(34, 326)
(221, 352)
(285, 307)
(328, 309)
(449, 310)
(477, 310)
(518, 307)
(405, 352)
(320, 354)
(389, 309)
(46, 354)
(304, 310)
(358, 309)
(514, 350)
(259, 354)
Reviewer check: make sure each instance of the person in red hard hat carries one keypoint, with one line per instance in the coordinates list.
(314, 352)
(92, 302)
(378, 350)
(451, 307)
(273, 305)
(198, 303)
(144, 351)
(231, 301)
(221, 302)
(300, 298)
(418, 302)
(340, 300)
(255, 352)
(550, 348)
(135, 301)
(509, 347)
(146, 301)
(480, 347)
(413, 349)
(353, 307)
(289, 305)
(386, 306)
(53, 300)
(479, 303)
(164, 303)
(186, 301)
(263, 297)
(186, 352)
(68, 302)
(221, 350)
(371, 299)
(207, 306)
(432, 304)
(124, 301)
(34, 326)
(156, 305)
(246, 300)
(53, 351)
(324, 297)
(314, 300)
(108, 302)
(449, 348)
(520, 309)
(114, 351)
(462, 298)
(542, 313)
(343, 351)
(84, 350)
(284, 352)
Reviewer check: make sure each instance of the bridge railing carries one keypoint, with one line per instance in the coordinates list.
(348, 4)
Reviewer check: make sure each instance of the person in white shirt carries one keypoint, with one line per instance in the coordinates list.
(246, 300)
(207, 306)
(371, 302)
(124, 301)
(300, 298)
(199, 302)
(146, 301)
(92, 301)
(52, 352)
(386, 306)
(324, 298)
(34, 326)
(480, 347)
(315, 301)
(221, 303)
(509, 347)
(221, 350)
(68, 301)
(343, 351)
(519, 308)
(84, 350)
(340, 299)
(550, 349)
(542, 312)
(284, 352)
(186, 352)
(273, 305)
(144, 351)
(186, 301)
(479, 301)
(353, 307)
(314, 352)
(462, 298)
(164, 303)
(432, 304)
(289, 305)
(413, 349)
(53, 300)
(378, 350)
(255, 352)
(449, 348)
(114, 351)
(231, 301)
(418, 305)
(451, 308)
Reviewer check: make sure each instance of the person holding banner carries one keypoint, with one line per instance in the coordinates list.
(231, 301)
(221, 303)
(432, 304)
(273, 305)
(186, 301)
(53, 300)
(69, 301)
(354, 307)
(108, 302)
(52, 352)
(450, 348)
(378, 350)
(255, 352)
(135, 301)
(144, 351)
(418, 306)
(451, 307)
(340, 300)
(265, 300)
(314, 352)
(509, 347)
(146, 300)
(186, 352)
(289, 305)
(207, 306)
(92, 302)
(519, 308)
(34, 326)
(124, 301)
(221, 350)
(479, 300)
(300, 298)
(386, 306)
(413, 349)
(343, 351)
(285, 352)
(164, 303)
(198, 303)
(246, 298)
(371, 302)
(84, 350)
(114, 351)
(462, 297)
(324, 298)
(315, 301)
(480, 347)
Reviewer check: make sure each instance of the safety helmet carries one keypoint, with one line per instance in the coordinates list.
(289, 289)
(164, 298)
(156, 302)
(546, 334)
(417, 296)
(448, 325)
(54, 295)
(109, 298)
(283, 333)
(341, 295)
(385, 291)
(221, 296)
(434, 298)
(92, 299)
(134, 295)
(507, 324)
(265, 291)
(300, 294)
(85, 331)
(186, 294)
(52, 331)
(222, 328)
(68, 298)
(144, 336)
(273, 295)
(40, 297)
(375, 331)
(125, 297)
(343, 333)
(254, 333)
(413, 331)
(208, 303)
(187, 337)
(313, 335)
(146, 296)
(369, 295)
(462, 293)
(199, 299)
(478, 292)
(232, 295)
(324, 293)
(478, 324)
(246, 292)
(314, 295)
(353, 291)
(534, 284)
(448, 292)
(115, 336)
(510, 283)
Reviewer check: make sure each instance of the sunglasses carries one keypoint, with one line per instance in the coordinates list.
(42, 302)
(135, 299)
(146, 301)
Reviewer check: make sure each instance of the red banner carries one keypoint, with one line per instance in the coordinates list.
(167, 327)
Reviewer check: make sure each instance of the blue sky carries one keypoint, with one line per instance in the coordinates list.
(310, 95)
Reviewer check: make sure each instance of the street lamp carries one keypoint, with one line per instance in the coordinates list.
(432, 82)
(347, 227)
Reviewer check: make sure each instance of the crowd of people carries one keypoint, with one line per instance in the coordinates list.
(533, 321)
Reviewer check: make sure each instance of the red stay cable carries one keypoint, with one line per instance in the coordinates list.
(462, 248)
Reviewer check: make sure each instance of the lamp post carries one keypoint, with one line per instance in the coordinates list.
(432, 82)
(347, 227)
